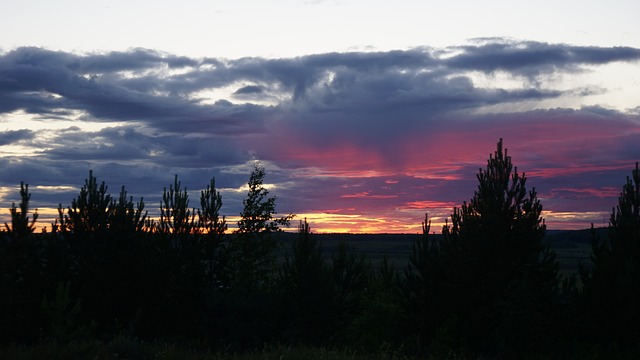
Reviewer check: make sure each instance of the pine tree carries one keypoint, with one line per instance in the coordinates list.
(209, 220)
(379, 321)
(125, 217)
(89, 212)
(505, 279)
(257, 217)
(350, 271)
(23, 262)
(186, 256)
(251, 254)
(175, 216)
(106, 249)
(21, 227)
(305, 285)
(423, 287)
(611, 287)
(212, 226)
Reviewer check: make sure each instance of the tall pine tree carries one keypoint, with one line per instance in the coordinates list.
(306, 290)
(504, 278)
(611, 290)
(251, 254)
(423, 288)
(21, 226)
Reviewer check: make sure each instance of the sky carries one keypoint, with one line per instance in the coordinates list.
(365, 114)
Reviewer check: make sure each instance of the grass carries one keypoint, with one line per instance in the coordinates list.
(131, 349)
(127, 348)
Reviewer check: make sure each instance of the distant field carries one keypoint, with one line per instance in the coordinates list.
(572, 247)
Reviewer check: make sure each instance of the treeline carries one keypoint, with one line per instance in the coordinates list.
(490, 287)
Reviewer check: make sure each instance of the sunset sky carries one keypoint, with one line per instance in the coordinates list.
(365, 114)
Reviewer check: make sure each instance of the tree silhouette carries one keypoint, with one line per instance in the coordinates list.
(22, 264)
(21, 227)
(184, 257)
(209, 218)
(350, 271)
(380, 320)
(126, 217)
(175, 216)
(211, 225)
(505, 279)
(423, 287)
(611, 287)
(251, 252)
(257, 217)
(306, 290)
(89, 212)
(106, 251)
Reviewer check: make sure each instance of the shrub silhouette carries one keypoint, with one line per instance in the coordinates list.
(378, 326)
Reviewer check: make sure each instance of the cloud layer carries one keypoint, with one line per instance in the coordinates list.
(363, 141)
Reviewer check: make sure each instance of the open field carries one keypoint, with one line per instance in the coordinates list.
(572, 247)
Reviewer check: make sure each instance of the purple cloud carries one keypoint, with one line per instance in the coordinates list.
(378, 137)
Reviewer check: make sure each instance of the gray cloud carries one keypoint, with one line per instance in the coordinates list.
(12, 136)
(251, 89)
(533, 58)
(396, 111)
(139, 86)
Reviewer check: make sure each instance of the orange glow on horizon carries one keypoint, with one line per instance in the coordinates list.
(335, 222)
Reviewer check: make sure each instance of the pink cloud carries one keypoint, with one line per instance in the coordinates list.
(576, 159)
(367, 195)
(569, 193)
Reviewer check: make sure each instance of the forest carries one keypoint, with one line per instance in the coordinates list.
(109, 282)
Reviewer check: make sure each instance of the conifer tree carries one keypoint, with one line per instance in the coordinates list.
(505, 279)
(175, 216)
(95, 212)
(306, 289)
(107, 270)
(211, 225)
(209, 218)
(183, 255)
(22, 265)
(423, 286)
(350, 272)
(257, 217)
(251, 252)
(125, 217)
(89, 212)
(611, 287)
(21, 226)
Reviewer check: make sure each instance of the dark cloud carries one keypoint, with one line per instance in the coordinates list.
(12, 136)
(251, 89)
(133, 60)
(534, 58)
(140, 86)
(383, 131)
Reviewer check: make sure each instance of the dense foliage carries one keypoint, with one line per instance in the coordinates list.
(489, 288)
(611, 294)
(505, 278)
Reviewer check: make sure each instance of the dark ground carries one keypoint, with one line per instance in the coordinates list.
(572, 247)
